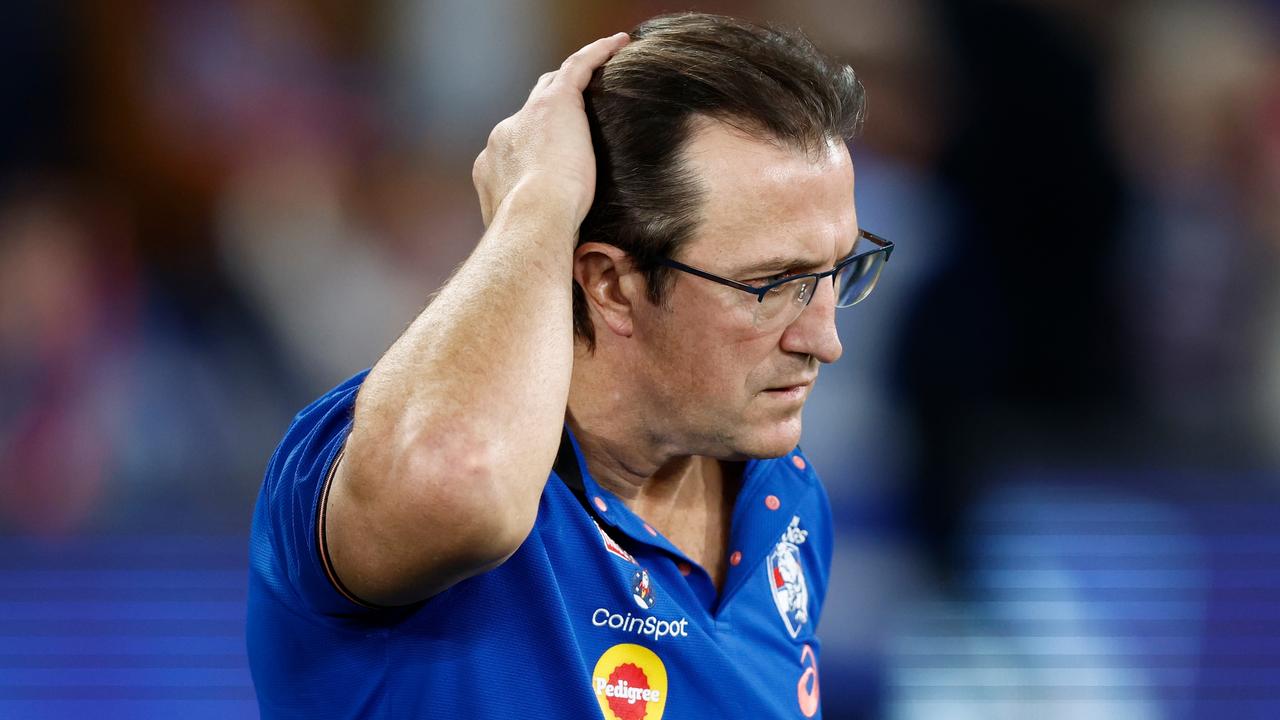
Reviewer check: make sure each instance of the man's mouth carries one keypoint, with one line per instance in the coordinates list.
(796, 389)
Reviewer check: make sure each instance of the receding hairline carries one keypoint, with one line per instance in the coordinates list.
(817, 152)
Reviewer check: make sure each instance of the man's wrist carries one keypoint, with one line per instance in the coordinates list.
(543, 204)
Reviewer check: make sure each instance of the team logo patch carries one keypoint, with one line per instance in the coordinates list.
(642, 589)
(786, 578)
(612, 546)
(630, 683)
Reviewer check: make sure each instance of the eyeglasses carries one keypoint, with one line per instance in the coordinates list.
(779, 303)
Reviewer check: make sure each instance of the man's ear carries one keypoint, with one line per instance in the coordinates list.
(610, 284)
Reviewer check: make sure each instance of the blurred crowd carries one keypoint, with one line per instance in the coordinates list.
(211, 211)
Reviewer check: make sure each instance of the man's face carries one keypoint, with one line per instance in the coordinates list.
(723, 386)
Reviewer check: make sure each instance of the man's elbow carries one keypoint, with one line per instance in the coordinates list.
(469, 489)
(436, 516)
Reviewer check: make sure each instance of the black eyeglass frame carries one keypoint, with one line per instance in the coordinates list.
(882, 246)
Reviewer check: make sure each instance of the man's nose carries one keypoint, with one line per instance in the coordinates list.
(814, 331)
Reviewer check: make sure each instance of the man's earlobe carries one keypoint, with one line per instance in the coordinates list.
(603, 272)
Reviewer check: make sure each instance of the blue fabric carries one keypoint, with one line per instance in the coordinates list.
(567, 627)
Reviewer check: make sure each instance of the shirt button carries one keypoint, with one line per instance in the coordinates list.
(772, 502)
(797, 461)
(684, 568)
(735, 558)
(600, 503)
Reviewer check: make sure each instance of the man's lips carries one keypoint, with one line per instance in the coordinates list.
(791, 386)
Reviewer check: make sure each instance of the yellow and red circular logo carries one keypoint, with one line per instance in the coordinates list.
(630, 683)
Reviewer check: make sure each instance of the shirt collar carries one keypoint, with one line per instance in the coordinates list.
(773, 486)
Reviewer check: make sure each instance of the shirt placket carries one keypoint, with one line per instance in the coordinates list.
(770, 498)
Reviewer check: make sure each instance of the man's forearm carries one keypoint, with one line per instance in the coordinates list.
(481, 377)
(457, 426)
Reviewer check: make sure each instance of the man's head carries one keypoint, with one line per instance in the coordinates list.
(721, 145)
(645, 103)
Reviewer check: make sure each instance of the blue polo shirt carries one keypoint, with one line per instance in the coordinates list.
(596, 615)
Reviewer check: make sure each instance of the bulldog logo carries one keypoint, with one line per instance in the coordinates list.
(786, 578)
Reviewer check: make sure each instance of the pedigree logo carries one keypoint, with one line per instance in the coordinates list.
(630, 683)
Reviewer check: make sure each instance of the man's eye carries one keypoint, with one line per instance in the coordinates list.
(761, 282)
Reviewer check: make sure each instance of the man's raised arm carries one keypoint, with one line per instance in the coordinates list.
(457, 425)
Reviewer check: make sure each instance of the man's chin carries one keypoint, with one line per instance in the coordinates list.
(775, 441)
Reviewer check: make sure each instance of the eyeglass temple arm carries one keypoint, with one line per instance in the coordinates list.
(758, 292)
(883, 243)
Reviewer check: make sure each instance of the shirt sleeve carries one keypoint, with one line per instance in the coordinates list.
(290, 507)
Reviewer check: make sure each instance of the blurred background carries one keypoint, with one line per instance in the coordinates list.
(1052, 446)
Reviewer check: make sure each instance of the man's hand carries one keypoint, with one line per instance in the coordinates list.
(546, 146)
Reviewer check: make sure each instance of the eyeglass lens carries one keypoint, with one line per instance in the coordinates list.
(853, 284)
(856, 280)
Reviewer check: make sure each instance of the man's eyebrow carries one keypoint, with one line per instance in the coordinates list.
(777, 262)
(785, 262)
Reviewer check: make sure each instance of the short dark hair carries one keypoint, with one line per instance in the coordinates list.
(766, 81)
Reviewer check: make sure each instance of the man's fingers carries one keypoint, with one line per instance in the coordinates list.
(577, 69)
(543, 81)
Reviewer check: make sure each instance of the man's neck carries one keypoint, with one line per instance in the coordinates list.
(628, 450)
(631, 463)
(685, 496)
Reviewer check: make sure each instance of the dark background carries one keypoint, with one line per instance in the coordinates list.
(1052, 445)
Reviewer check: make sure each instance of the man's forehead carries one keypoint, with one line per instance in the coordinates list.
(765, 204)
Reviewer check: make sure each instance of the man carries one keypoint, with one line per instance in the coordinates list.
(572, 487)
